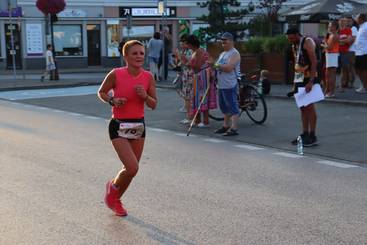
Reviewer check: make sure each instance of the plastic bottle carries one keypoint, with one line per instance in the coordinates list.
(260, 87)
(299, 145)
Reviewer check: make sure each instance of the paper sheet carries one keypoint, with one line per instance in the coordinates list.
(304, 99)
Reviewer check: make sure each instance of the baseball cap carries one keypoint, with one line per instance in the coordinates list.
(227, 35)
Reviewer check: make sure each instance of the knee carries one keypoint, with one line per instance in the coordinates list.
(132, 171)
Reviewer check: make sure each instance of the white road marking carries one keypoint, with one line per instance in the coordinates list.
(91, 117)
(337, 164)
(215, 140)
(158, 129)
(181, 134)
(75, 114)
(289, 155)
(249, 147)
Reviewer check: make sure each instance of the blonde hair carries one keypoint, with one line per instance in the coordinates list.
(130, 44)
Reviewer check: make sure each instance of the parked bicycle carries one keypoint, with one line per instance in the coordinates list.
(250, 100)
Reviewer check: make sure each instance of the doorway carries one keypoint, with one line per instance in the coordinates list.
(17, 47)
(94, 45)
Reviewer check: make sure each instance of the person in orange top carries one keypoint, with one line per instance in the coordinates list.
(331, 46)
(132, 87)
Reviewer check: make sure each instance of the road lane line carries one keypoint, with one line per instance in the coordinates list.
(337, 164)
(249, 147)
(75, 114)
(92, 117)
(215, 140)
(289, 155)
(158, 130)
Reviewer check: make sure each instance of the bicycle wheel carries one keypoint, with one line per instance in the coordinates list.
(255, 105)
(216, 115)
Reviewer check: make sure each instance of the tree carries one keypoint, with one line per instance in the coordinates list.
(224, 16)
(270, 9)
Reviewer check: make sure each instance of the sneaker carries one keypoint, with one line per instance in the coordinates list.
(202, 125)
(310, 141)
(112, 200)
(361, 90)
(304, 138)
(231, 132)
(185, 121)
(221, 130)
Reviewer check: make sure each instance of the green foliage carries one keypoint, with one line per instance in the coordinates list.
(224, 16)
(257, 45)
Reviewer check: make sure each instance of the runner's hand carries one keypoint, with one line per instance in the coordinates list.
(139, 89)
(308, 87)
(119, 101)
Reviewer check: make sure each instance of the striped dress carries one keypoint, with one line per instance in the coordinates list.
(201, 80)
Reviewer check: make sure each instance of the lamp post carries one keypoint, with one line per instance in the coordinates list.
(11, 28)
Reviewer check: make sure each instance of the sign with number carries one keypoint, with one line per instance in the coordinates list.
(147, 12)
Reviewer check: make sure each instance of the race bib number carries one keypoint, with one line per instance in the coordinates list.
(299, 77)
(131, 130)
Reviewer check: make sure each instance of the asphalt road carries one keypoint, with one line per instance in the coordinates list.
(190, 190)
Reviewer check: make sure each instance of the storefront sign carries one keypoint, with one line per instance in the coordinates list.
(146, 12)
(72, 13)
(16, 12)
(34, 39)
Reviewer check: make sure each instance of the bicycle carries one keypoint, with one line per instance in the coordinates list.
(250, 100)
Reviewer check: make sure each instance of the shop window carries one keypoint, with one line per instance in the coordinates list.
(141, 33)
(113, 38)
(68, 40)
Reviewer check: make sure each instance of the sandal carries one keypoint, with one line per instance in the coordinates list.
(231, 132)
(221, 130)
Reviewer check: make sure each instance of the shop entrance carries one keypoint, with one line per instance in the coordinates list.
(9, 53)
(94, 45)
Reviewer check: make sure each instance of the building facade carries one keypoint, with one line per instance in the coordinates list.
(88, 32)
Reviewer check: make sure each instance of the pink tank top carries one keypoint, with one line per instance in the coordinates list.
(125, 87)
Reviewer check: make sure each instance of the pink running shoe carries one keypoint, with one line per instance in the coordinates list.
(112, 200)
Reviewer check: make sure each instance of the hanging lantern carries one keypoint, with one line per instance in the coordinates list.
(51, 6)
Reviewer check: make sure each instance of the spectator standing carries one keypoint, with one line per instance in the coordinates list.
(305, 67)
(345, 40)
(184, 55)
(202, 76)
(331, 46)
(352, 50)
(50, 64)
(155, 46)
(228, 71)
(361, 52)
(167, 39)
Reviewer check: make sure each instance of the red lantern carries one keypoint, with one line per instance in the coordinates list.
(51, 6)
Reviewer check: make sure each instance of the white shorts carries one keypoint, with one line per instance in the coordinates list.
(332, 60)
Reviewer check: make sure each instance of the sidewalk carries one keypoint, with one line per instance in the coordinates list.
(94, 76)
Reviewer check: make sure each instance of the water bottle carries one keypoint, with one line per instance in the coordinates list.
(260, 87)
(299, 145)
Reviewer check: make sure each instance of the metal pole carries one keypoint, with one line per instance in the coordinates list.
(11, 27)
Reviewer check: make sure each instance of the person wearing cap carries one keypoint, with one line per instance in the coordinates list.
(228, 70)
(305, 69)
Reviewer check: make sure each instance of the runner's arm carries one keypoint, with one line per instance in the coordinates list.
(107, 84)
(151, 98)
(310, 48)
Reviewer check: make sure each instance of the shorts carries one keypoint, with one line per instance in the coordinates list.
(50, 67)
(344, 59)
(228, 101)
(331, 60)
(361, 62)
(115, 125)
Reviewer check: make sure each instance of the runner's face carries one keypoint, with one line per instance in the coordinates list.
(135, 56)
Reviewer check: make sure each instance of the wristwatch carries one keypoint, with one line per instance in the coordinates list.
(110, 101)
